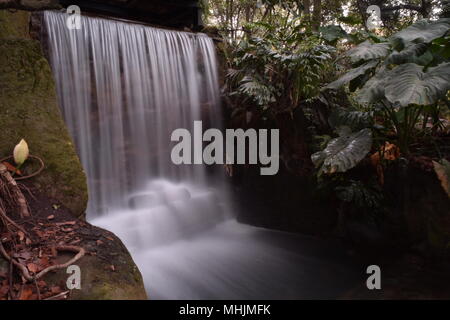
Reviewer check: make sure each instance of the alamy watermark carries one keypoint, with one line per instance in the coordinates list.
(74, 280)
(73, 21)
(374, 20)
(374, 280)
(231, 149)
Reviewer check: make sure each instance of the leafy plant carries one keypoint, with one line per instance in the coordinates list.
(278, 68)
(361, 195)
(403, 76)
(344, 152)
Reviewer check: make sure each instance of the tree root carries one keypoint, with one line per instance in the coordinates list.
(7, 220)
(41, 167)
(11, 193)
(26, 274)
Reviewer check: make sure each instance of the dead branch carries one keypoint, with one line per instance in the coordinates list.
(11, 193)
(62, 295)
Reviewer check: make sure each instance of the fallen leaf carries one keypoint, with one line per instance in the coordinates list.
(21, 235)
(44, 262)
(26, 294)
(33, 267)
(55, 289)
(65, 223)
(11, 168)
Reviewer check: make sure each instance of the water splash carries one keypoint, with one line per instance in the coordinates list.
(123, 89)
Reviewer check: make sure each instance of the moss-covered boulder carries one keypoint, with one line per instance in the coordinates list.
(14, 25)
(29, 110)
(107, 270)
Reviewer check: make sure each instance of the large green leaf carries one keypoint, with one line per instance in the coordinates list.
(332, 33)
(352, 74)
(374, 88)
(368, 51)
(409, 54)
(354, 119)
(422, 31)
(344, 152)
(409, 84)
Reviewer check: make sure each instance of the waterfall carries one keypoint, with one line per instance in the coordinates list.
(123, 88)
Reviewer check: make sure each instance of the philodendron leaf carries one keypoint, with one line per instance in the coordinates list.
(409, 54)
(368, 51)
(374, 89)
(356, 120)
(332, 33)
(422, 31)
(351, 74)
(344, 152)
(409, 84)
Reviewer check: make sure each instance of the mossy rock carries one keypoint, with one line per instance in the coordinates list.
(14, 24)
(108, 271)
(29, 110)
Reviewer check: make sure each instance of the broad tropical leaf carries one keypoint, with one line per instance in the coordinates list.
(422, 31)
(344, 152)
(373, 90)
(258, 91)
(409, 54)
(409, 84)
(356, 120)
(369, 51)
(332, 33)
(352, 74)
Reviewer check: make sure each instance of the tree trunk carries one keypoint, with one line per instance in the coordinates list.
(307, 9)
(317, 14)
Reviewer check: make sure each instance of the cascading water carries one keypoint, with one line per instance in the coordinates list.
(123, 89)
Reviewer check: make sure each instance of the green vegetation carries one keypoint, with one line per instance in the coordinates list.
(359, 108)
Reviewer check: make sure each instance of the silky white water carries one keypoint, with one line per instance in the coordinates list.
(123, 88)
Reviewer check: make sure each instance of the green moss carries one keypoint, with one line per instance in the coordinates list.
(29, 110)
(14, 24)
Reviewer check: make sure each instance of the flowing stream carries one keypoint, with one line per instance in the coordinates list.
(123, 88)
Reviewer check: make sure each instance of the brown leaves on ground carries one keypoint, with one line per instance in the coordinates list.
(37, 254)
